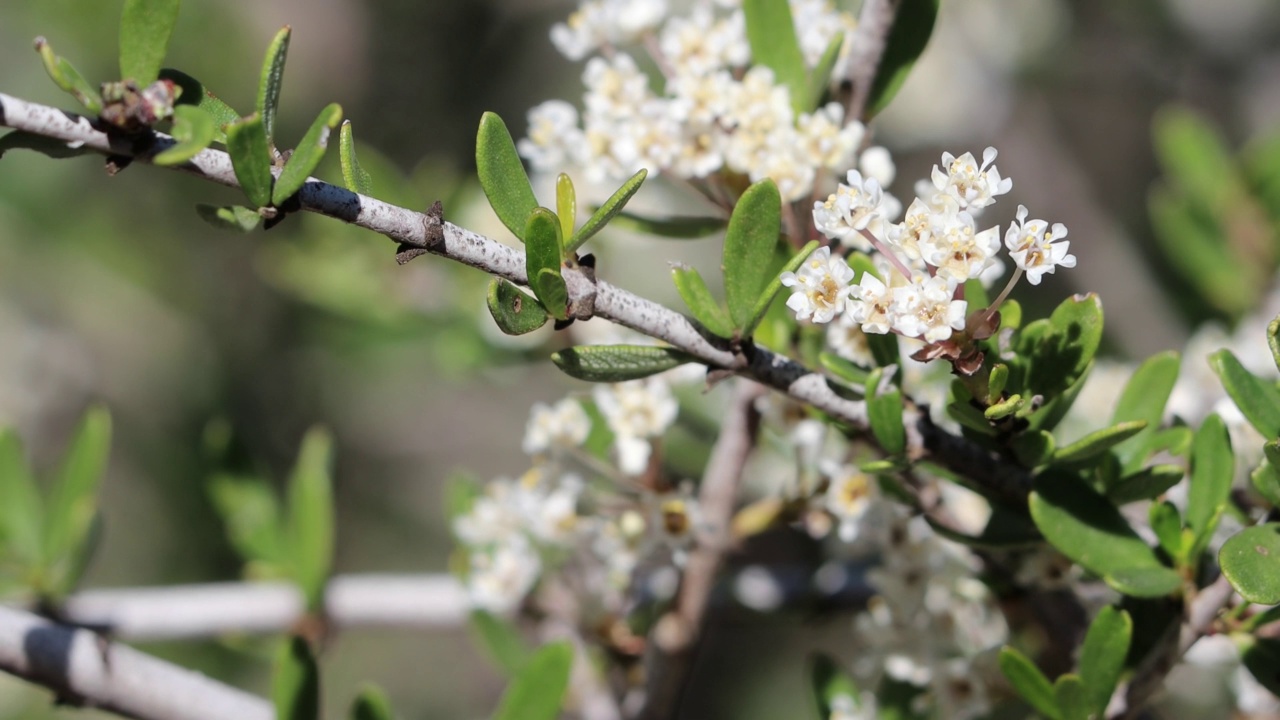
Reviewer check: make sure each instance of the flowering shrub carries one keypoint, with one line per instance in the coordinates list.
(930, 439)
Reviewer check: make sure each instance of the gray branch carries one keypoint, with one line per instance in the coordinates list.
(84, 669)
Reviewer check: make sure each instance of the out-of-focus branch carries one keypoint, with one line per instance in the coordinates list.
(422, 231)
(84, 669)
(674, 641)
(869, 40)
(196, 611)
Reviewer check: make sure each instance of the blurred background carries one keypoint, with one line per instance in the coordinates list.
(112, 290)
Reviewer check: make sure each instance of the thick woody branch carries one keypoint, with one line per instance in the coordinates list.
(211, 610)
(874, 23)
(674, 640)
(83, 669)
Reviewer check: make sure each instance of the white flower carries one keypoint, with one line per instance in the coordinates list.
(499, 579)
(615, 87)
(562, 425)
(636, 412)
(876, 162)
(605, 22)
(871, 305)
(848, 497)
(494, 516)
(955, 249)
(555, 140)
(786, 164)
(551, 514)
(821, 286)
(843, 707)
(849, 210)
(970, 185)
(925, 309)
(700, 43)
(817, 22)
(1032, 245)
(827, 141)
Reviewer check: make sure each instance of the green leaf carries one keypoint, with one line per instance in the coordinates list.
(270, 80)
(501, 641)
(311, 526)
(251, 158)
(1166, 523)
(536, 693)
(884, 413)
(194, 130)
(1266, 479)
(607, 211)
(1087, 528)
(542, 242)
(21, 508)
(1004, 408)
(502, 176)
(1033, 447)
(693, 290)
(775, 285)
(372, 704)
(1102, 656)
(295, 688)
(1251, 561)
(195, 94)
(1212, 470)
(251, 513)
(1071, 697)
(843, 369)
(1144, 398)
(1066, 350)
(1193, 244)
(566, 207)
(74, 499)
(1273, 339)
(996, 382)
(68, 79)
(307, 156)
(617, 363)
(1095, 443)
(354, 176)
(1262, 657)
(771, 33)
(907, 39)
(830, 684)
(748, 248)
(514, 312)
(145, 29)
(1195, 156)
(820, 78)
(1257, 399)
(229, 217)
(1030, 683)
(679, 227)
(1146, 484)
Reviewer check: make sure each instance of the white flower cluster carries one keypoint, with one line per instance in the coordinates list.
(926, 257)
(713, 113)
(518, 530)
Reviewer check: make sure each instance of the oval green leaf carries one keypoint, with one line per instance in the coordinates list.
(607, 211)
(1213, 467)
(536, 693)
(354, 176)
(775, 285)
(771, 33)
(229, 217)
(843, 369)
(1144, 398)
(1146, 484)
(542, 243)
(884, 414)
(67, 78)
(1095, 443)
(566, 208)
(748, 248)
(194, 130)
(697, 297)
(73, 503)
(295, 688)
(1266, 479)
(21, 507)
(1087, 528)
(372, 704)
(502, 176)
(1030, 683)
(1102, 656)
(311, 526)
(1251, 561)
(501, 641)
(251, 159)
(1071, 698)
(1166, 523)
(307, 156)
(145, 29)
(678, 227)
(912, 26)
(251, 513)
(618, 363)
(271, 79)
(514, 312)
(194, 93)
(548, 285)
(1273, 339)
(1257, 399)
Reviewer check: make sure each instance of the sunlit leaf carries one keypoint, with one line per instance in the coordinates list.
(21, 507)
(251, 159)
(307, 156)
(1071, 697)
(145, 29)
(771, 34)
(617, 363)
(697, 297)
(1257, 399)
(68, 79)
(270, 80)
(607, 211)
(354, 176)
(748, 249)
(1212, 470)
(311, 524)
(542, 259)
(74, 499)
(502, 176)
(1097, 442)
(566, 207)
(1030, 683)
(1251, 561)
(537, 691)
(1102, 655)
(1145, 484)
(884, 414)
(1144, 398)
(251, 514)
(514, 312)
(775, 286)
(195, 94)
(194, 130)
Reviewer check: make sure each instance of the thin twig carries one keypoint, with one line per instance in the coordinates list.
(675, 639)
(84, 669)
(869, 41)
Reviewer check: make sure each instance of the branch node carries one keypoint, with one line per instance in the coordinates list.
(433, 232)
